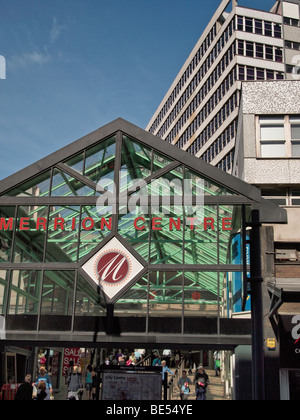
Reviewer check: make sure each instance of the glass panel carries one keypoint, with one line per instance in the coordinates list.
(57, 299)
(134, 228)
(136, 162)
(63, 232)
(64, 185)
(3, 290)
(167, 237)
(295, 131)
(201, 294)
(89, 309)
(100, 162)
(296, 148)
(170, 184)
(201, 185)
(273, 149)
(134, 302)
(201, 237)
(36, 187)
(269, 132)
(24, 292)
(7, 215)
(96, 224)
(160, 161)
(165, 294)
(76, 163)
(30, 234)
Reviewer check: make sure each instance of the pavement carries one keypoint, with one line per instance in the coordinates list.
(215, 390)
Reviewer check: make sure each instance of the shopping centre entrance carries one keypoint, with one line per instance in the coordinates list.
(121, 240)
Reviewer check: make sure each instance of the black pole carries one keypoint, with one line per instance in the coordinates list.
(110, 319)
(258, 370)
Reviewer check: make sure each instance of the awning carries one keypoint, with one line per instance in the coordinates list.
(283, 291)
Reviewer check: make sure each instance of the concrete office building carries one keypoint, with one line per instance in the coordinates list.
(267, 156)
(200, 110)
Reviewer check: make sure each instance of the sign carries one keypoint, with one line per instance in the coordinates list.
(70, 354)
(271, 344)
(131, 386)
(289, 330)
(112, 268)
(88, 223)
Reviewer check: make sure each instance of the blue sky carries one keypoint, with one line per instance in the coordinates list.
(72, 66)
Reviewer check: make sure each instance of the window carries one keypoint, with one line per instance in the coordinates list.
(269, 52)
(268, 28)
(249, 25)
(258, 27)
(249, 49)
(279, 136)
(240, 23)
(272, 141)
(295, 136)
(277, 31)
(259, 51)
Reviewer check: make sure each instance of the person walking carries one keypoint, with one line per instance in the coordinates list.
(25, 390)
(89, 381)
(44, 377)
(201, 382)
(184, 386)
(74, 384)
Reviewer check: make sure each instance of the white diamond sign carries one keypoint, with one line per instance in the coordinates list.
(112, 268)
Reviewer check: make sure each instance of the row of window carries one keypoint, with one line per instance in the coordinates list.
(279, 137)
(194, 63)
(198, 56)
(199, 98)
(259, 27)
(249, 73)
(291, 21)
(226, 164)
(224, 63)
(292, 45)
(262, 51)
(282, 196)
(214, 125)
(222, 141)
(240, 23)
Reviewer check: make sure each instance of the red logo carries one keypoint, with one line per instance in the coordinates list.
(113, 267)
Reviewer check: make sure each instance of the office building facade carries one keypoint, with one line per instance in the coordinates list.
(199, 113)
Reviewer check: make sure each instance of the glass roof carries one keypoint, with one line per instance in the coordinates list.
(120, 185)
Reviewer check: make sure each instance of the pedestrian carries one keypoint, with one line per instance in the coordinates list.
(94, 384)
(190, 360)
(44, 377)
(89, 381)
(165, 369)
(137, 355)
(156, 361)
(42, 394)
(25, 390)
(183, 385)
(201, 381)
(69, 371)
(74, 384)
(217, 359)
(167, 353)
(177, 358)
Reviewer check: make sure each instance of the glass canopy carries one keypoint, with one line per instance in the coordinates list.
(163, 204)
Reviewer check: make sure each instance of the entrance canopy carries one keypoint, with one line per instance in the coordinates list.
(122, 218)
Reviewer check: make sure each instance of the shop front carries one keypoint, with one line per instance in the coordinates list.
(121, 239)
